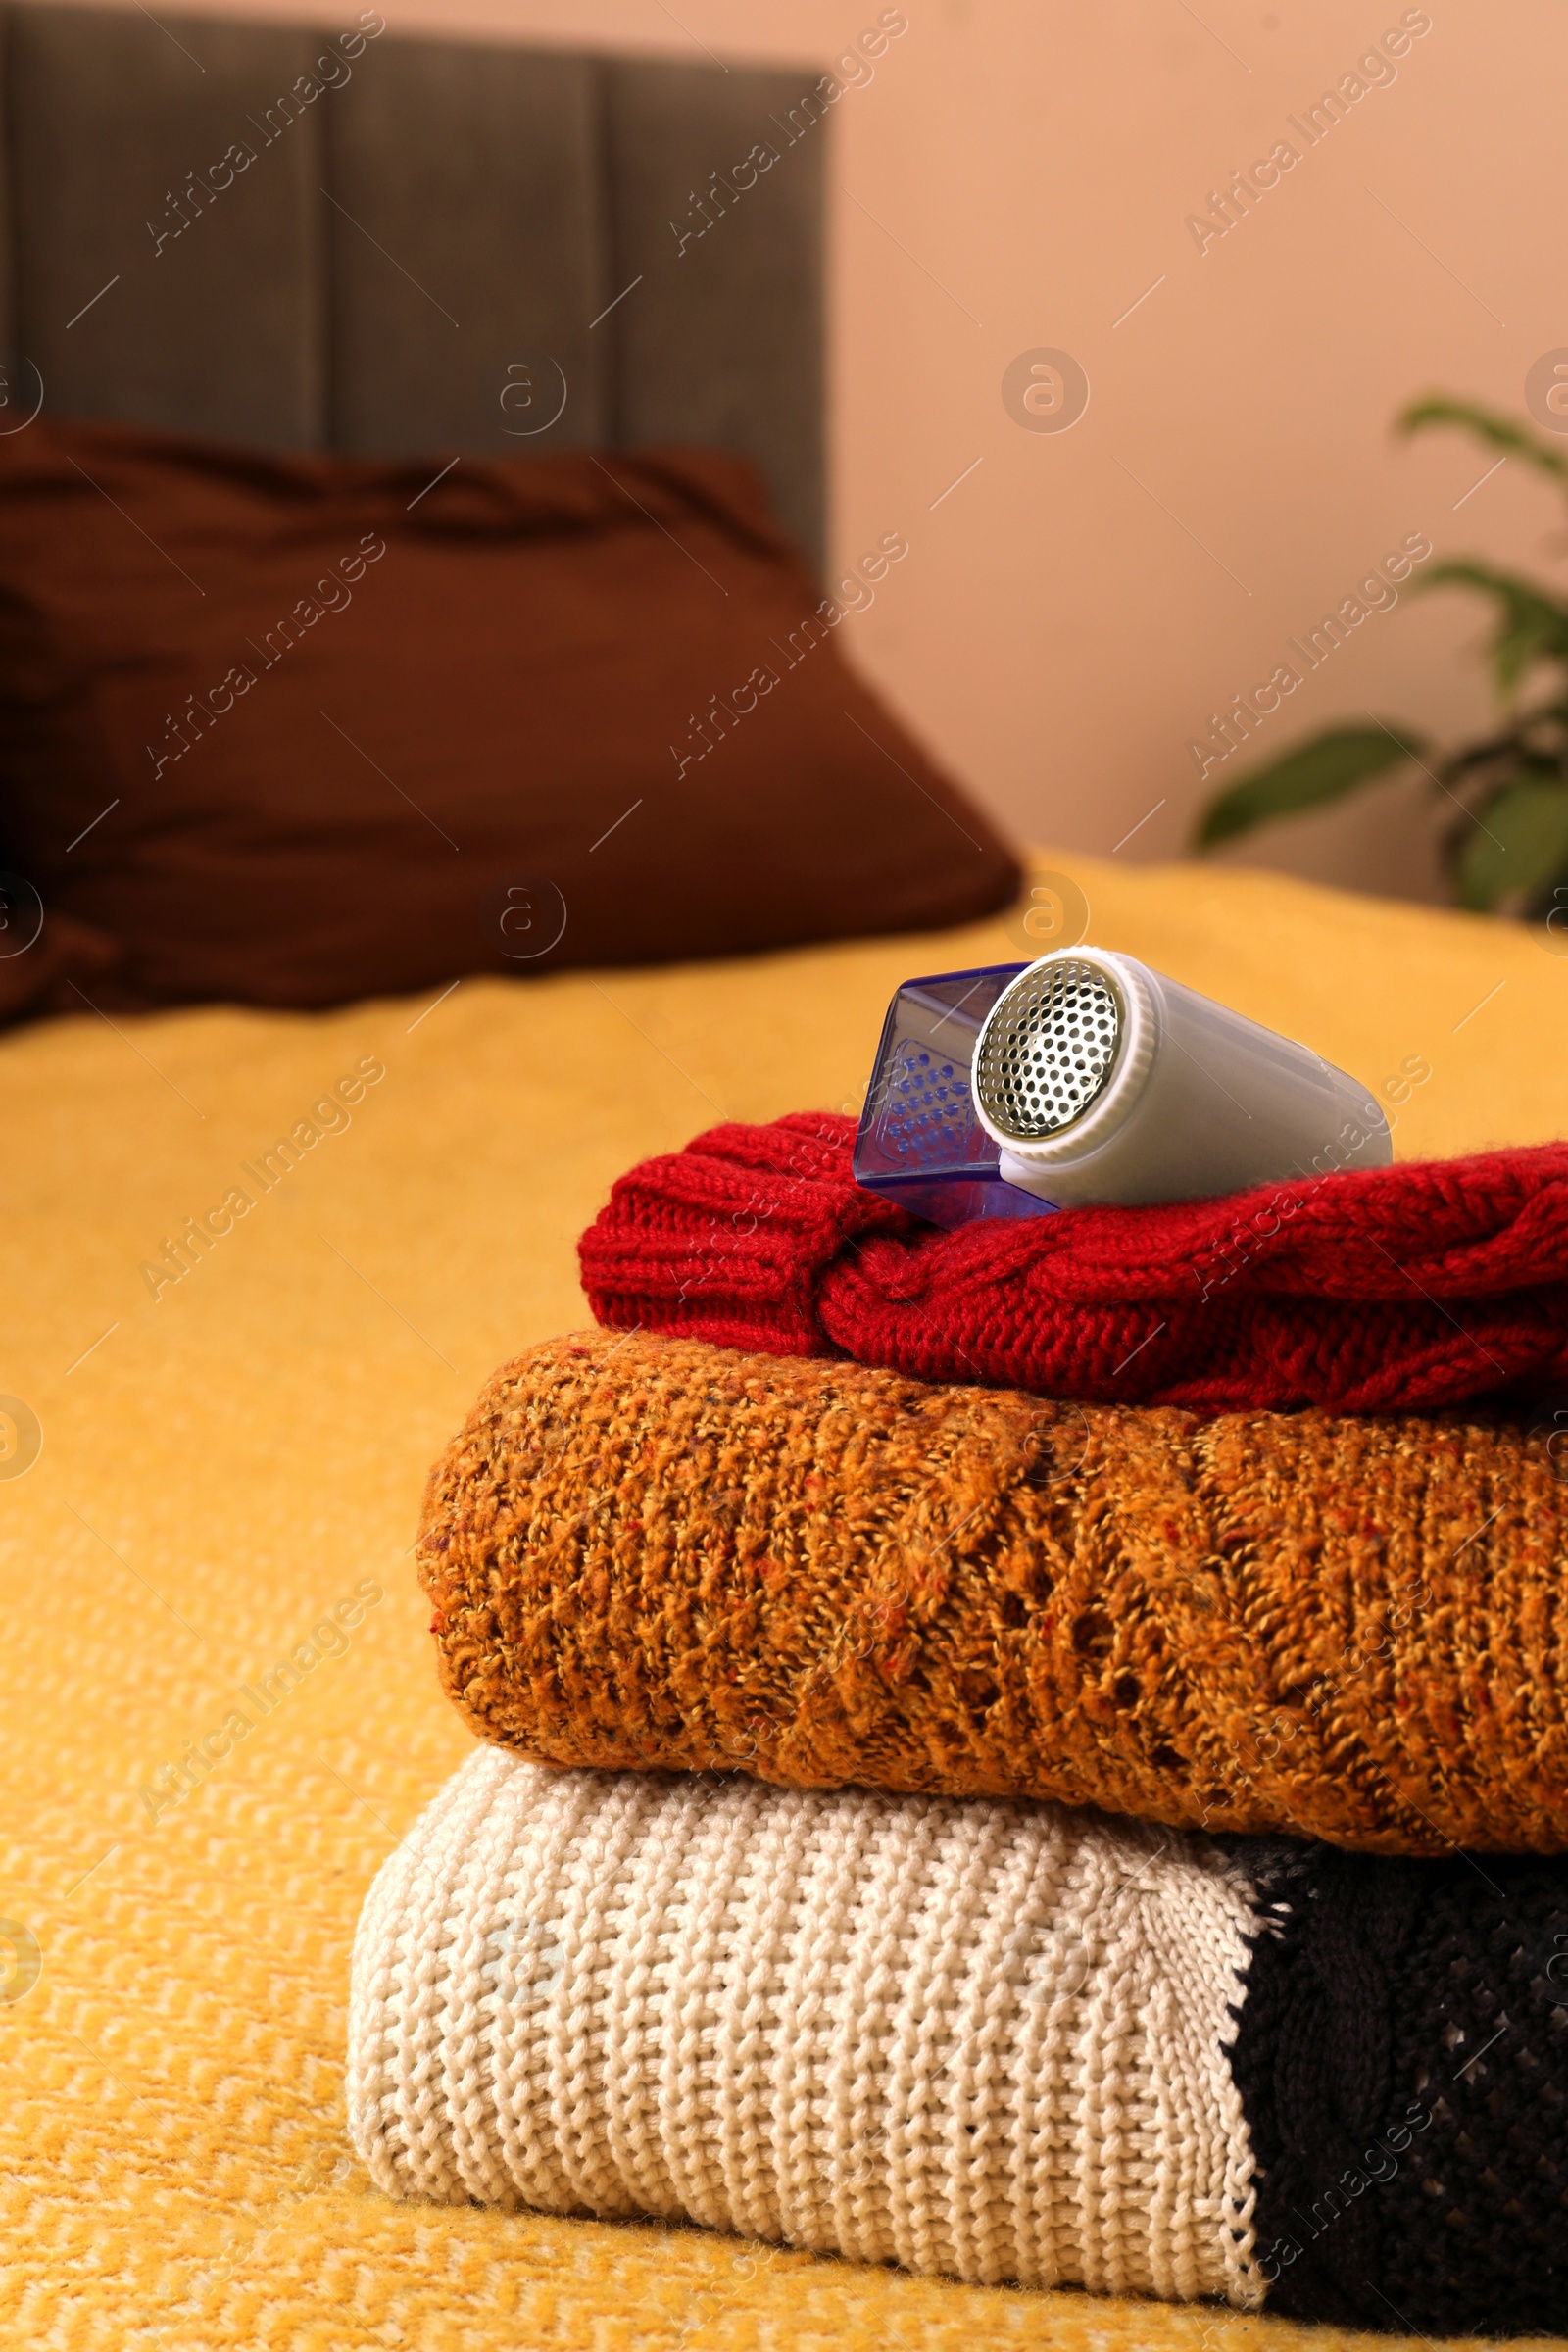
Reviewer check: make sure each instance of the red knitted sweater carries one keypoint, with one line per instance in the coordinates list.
(1373, 1290)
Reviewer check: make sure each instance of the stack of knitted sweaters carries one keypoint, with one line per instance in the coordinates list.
(1106, 1828)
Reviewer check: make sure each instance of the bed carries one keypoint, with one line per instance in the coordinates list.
(224, 1465)
(212, 1482)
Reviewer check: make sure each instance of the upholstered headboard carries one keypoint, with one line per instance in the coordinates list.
(341, 238)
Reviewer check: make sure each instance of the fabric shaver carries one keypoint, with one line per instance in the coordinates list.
(1086, 1077)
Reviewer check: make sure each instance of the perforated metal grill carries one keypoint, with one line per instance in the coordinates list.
(1048, 1048)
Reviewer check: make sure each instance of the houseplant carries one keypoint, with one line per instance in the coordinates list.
(1507, 844)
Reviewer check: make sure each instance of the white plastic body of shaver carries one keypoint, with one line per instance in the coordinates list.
(1101, 1080)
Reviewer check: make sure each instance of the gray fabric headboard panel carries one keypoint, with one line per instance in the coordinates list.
(419, 248)
(217, 330)
(483, 172)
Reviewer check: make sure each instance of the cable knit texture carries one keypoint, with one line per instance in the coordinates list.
(1402, 2055)
(1371, 1290)
(982, 2039)
(652, 1552)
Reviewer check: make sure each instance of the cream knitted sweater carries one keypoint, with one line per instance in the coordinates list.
(979, 2037)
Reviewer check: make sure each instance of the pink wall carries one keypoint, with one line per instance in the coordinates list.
(1015, 175)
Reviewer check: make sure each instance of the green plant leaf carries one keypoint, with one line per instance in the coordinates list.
(1498, 432)
(1323, 769)
(1531, 626)
(1512, 749)
(1519, 848)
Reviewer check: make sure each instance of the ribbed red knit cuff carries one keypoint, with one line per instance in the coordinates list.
(728, 1240)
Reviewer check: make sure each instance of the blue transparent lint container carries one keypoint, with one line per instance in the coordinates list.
(919, 1141)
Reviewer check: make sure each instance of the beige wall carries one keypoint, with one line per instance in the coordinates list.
(1015, 175)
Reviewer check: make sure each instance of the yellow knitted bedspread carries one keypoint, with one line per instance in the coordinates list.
(221, 1707)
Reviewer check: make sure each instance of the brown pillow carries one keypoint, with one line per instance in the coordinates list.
(47, 963)
(293, 729)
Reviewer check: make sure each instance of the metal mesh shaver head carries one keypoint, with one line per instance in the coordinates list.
(1049, 1048)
